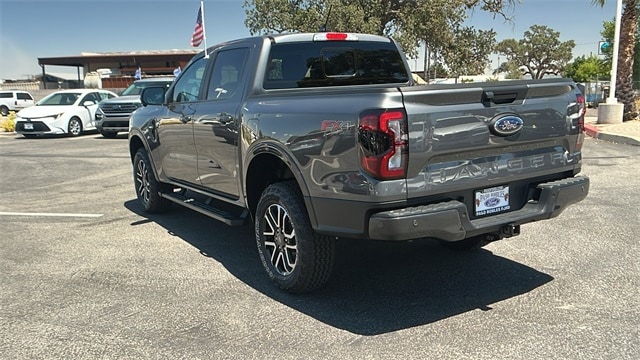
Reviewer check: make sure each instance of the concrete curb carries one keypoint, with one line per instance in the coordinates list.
(594, 132)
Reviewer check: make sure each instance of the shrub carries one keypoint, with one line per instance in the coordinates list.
(9, 124)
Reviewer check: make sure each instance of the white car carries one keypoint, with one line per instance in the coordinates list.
(68, 112)
(14, 100)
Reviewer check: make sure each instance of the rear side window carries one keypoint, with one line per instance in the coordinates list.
(227, 73)
(6, 95)
(137, 87)
(24, 96)
(296, 65)
(105, 96)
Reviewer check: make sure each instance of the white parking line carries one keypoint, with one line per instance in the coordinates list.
(50, 214)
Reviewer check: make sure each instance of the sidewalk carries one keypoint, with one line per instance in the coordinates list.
(626, 133)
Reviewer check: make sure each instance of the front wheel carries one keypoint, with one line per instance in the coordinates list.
(296, 259)
(75, 127)
(147, 187)
(109, 134)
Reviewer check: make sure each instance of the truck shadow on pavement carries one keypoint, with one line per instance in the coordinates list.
(376, 287)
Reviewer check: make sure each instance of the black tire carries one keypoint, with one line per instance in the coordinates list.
(74, 128)
(147, 187)
(296, 259)
(109, 134)
(469, 244)
(4, 111)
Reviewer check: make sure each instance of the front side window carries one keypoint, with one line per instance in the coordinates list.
(187, 87)
(60, 99)
(24, 96)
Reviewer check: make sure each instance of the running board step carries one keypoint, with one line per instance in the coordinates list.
(208, 210)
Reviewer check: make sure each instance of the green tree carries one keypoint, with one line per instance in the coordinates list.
(511, 70)
(437, 70)
(540, 52)
(468, 53)
(608, 30)
(587, 69)
(410, 22)
(627, 43)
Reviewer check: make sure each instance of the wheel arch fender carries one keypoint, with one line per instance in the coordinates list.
(137, 142)
(266, 163)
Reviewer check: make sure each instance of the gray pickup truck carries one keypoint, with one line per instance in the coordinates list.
(317, 137)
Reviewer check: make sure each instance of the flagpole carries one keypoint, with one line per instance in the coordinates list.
(204, 30)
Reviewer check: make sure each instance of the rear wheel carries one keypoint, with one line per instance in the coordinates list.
(296, 259)
(75, 127)
(4, 111)
(147, 187)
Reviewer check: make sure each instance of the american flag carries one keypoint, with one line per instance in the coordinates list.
(198, 32)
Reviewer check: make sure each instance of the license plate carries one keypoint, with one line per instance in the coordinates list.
(28, 126)
(492, 200)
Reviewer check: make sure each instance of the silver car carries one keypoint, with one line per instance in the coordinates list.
(113, 115)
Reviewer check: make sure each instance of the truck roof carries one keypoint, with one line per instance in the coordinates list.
(326, 36)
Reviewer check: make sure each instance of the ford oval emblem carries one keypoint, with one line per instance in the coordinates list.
(507, 125)
(491, 202)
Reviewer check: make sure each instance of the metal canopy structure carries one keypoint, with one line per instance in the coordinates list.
(123, 63)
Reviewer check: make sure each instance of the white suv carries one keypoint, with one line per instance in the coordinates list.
(14, 100)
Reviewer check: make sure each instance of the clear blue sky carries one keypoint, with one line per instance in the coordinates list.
(30, 29)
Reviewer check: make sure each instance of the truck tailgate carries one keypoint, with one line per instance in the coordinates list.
(491, 137)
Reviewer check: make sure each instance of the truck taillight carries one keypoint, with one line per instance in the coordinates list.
(382, 138)
(582, 110)
(582, 104)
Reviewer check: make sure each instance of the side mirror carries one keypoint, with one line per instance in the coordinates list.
(152, 96)
(88, 103)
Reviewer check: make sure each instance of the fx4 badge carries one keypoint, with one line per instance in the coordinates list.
(506, 125)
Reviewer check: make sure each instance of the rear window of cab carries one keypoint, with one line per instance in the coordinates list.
(318, 64)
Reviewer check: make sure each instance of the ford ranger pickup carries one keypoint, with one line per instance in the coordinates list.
(325, 136)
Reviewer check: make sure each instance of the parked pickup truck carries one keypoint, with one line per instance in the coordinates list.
(317, 137)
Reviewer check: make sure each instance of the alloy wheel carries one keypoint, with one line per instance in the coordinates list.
(75, 127)
(280, 239)
(142, 181)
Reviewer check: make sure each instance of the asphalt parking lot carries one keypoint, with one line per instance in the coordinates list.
(87, 275)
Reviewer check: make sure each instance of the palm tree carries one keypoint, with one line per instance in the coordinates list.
(624, 84)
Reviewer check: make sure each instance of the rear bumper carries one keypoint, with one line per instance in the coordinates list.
(450, 220)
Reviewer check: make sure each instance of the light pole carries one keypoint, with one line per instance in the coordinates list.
(611, 112)
(616, 51)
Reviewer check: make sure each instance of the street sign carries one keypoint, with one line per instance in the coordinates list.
(603, 47)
